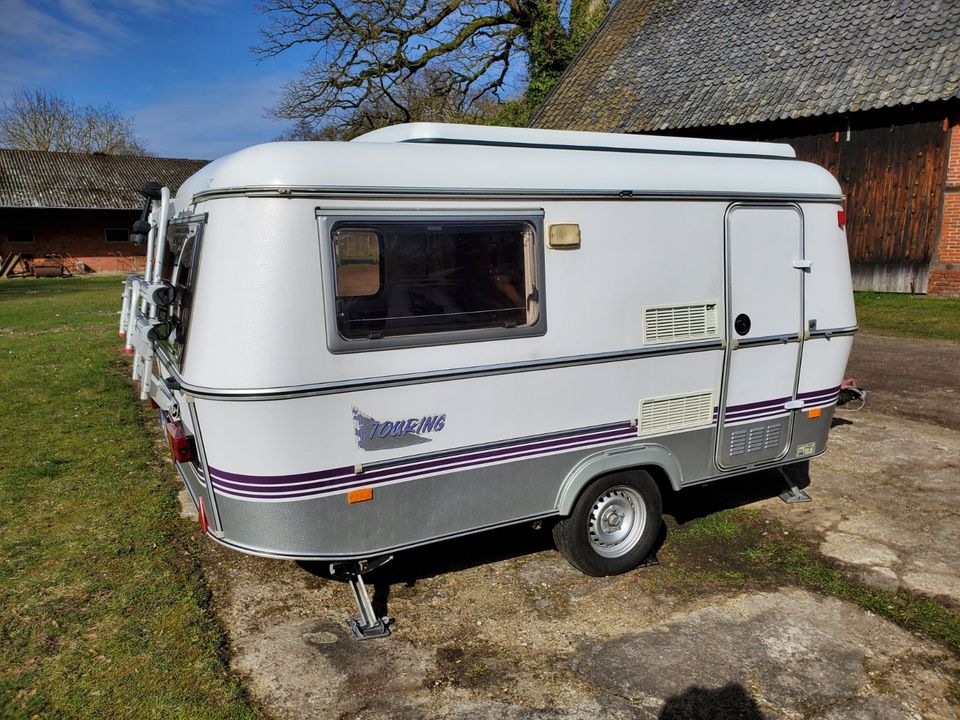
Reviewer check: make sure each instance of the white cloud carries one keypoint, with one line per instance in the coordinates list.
(99, 20)
(35, 30)
(70, 27)
(208, 120)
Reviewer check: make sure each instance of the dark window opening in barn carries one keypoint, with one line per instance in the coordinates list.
(19, 236)
(116, 235)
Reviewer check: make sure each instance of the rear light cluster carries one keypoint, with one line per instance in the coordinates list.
(181, 444)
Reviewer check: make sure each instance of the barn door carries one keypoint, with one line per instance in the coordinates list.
(764, 331)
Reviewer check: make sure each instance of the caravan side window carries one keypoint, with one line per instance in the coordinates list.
(403, 278)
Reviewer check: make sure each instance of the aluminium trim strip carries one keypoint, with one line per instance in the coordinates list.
(834, 332)
(785, 339)
(280, 393)
(388, 193)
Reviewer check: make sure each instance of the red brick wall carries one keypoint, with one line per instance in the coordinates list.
(76, 233)
(945, 270)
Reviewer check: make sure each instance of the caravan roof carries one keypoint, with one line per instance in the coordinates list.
(450, 134)
(459, 160)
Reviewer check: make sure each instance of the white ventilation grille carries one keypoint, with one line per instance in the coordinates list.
(659, 415)
(674, 323)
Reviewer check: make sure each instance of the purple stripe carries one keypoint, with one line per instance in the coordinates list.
(828, 391)
(821, 403)
(409, 470)
(756, 416)
(366, 480)
(821, 396)
(314, 475)
(733, 417)
(260, 481)
(765, 404)
(755, 411)
(757, 405)
(317, 482)
(337, 473)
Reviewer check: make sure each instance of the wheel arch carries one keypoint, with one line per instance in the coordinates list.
(658, 460)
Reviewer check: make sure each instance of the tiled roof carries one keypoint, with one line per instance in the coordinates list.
(35, 179)
(670, 64)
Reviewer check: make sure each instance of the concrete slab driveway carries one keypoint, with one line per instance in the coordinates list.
(499, 626)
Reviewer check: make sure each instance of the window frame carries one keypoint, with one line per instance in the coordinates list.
(176, 350)
(329, 219)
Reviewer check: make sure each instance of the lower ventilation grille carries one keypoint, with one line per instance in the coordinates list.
(675, 413)
(756, 439)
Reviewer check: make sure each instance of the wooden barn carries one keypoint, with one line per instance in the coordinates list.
(78, 207)
(867, 88)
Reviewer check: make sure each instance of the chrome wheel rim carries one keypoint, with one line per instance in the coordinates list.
(617, 520)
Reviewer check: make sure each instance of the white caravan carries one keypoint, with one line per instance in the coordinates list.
(435, 330)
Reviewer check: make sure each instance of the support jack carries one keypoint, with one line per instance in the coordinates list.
(368, 626)
(793, 493)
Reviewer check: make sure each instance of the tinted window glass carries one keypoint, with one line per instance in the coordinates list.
(434, 277)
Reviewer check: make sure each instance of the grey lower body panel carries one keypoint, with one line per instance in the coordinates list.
(426, 509)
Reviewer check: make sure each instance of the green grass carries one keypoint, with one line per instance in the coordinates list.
(103, 611)
(743, 548)
(909, 315)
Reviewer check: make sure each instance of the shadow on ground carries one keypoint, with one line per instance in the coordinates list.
(730, 702)
(411, 566)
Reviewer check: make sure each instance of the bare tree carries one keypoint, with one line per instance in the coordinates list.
(365, 52)
(425, 97)
(41, 120)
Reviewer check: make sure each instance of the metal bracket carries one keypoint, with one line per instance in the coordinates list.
(803, 264)
(369, 626)
(793, 405)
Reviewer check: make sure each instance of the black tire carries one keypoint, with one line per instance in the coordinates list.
(595, 539)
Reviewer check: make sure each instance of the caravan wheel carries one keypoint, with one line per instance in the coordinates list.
(614, 524)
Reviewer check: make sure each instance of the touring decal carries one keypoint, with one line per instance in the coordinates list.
(374, 434)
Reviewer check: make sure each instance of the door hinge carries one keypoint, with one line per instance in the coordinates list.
(793, 405)
(803, 264)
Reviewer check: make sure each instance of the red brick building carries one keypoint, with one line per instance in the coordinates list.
(870, 89)
(79, 206)
(945, 275)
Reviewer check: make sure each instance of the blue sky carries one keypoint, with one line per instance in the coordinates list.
(182, 68)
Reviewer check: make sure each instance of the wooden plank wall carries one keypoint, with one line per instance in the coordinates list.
(893, 179)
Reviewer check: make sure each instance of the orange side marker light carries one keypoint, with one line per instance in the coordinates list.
(815, 413)
(361, 495)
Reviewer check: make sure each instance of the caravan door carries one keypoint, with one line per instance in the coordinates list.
(764, 332)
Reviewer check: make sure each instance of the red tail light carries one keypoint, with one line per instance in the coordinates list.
(181, 449)
(841, 218)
